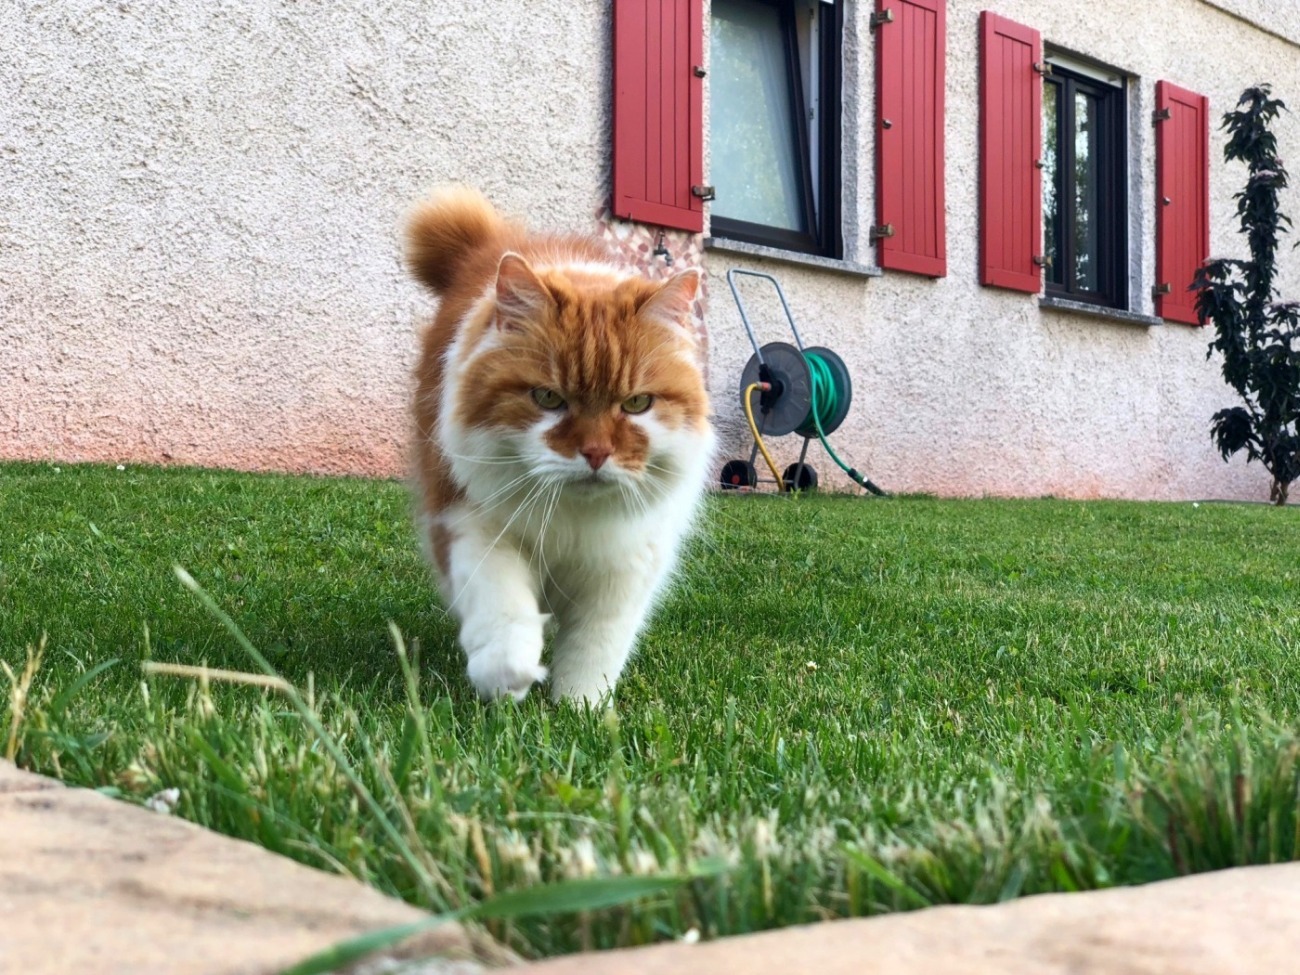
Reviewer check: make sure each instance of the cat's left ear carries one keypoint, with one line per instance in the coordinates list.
(522, 298)
(672, 303)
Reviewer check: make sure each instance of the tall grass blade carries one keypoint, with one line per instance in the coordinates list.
(66, 696)
(878, 872)
(346, 952)
(327, 741)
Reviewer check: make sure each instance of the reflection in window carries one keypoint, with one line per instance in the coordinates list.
(1085, 194)
(752, 126)
(774, 123)
(1085, 198)
(1051, 202)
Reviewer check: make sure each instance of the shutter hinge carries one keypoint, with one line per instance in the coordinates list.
(704, 192)
(1043, 68)
(885, 16)
(699, 71)
(1161, 115)
(1041, 261)
(1161, 289)
(880, 230)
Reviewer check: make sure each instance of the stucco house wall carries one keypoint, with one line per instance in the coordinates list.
(199, 241)
(199, 256)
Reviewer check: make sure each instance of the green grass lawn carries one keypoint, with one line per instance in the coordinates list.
(857, 705)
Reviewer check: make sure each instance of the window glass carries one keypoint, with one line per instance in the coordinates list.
(1086, 214)
(752, 137)
(774, 123)
(1085, 197)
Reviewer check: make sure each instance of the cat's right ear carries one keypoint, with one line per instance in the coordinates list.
(671, 304)
(522, 298)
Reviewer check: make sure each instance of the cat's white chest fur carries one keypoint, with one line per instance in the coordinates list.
(591, 566)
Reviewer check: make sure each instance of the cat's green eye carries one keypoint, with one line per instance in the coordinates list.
(638, 403)
(548, 399)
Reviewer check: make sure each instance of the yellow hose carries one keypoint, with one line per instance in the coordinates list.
(762, 448)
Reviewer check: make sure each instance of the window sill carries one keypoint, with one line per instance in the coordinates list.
(850, 268)
(1116, 315)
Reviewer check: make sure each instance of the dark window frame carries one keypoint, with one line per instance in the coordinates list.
(826, 238)
(1112, 191)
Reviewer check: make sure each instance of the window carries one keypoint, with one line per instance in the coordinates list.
(774, 123)
(1053, 169)
(1085, 198)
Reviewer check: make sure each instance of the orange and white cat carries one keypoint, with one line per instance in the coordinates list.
(563, 440)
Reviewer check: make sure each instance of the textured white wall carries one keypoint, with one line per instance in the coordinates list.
(201, 202)
(199, 209)
(1282, 17)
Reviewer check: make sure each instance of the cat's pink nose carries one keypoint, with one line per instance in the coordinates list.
(596, 456)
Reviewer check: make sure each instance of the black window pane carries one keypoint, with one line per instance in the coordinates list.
(1086, 193)
(753, 145)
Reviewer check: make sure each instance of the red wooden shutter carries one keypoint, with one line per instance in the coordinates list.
(1182, 198)
(909, 147)
(658, 112)
(1011, 134)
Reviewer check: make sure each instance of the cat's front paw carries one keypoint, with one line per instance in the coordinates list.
(498, 674)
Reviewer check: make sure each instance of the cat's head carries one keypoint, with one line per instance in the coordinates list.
(588, 382)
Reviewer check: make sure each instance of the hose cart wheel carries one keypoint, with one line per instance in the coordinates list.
(738, 474)
(800, 477)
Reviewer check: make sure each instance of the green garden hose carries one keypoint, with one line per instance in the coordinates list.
(825, 401)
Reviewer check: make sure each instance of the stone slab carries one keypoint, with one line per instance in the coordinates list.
(1243, 921)
(13, 779)
(92, 885)
(88, 884)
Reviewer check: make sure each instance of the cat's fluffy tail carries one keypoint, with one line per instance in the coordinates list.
(446, 229)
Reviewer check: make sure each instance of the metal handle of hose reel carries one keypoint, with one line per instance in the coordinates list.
(740, 305)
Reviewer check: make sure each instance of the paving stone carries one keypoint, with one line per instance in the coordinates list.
(1243, 921)
(14, 779)
(96, 886)
(92, 885)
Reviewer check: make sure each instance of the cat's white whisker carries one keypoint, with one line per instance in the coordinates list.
(633, 500)
(493, 501)
(471, 459)
(523, 508)
(542, 540)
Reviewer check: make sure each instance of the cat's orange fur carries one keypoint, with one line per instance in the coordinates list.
(519, 313)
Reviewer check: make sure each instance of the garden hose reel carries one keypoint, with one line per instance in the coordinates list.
(788, 389)
(787, 401)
